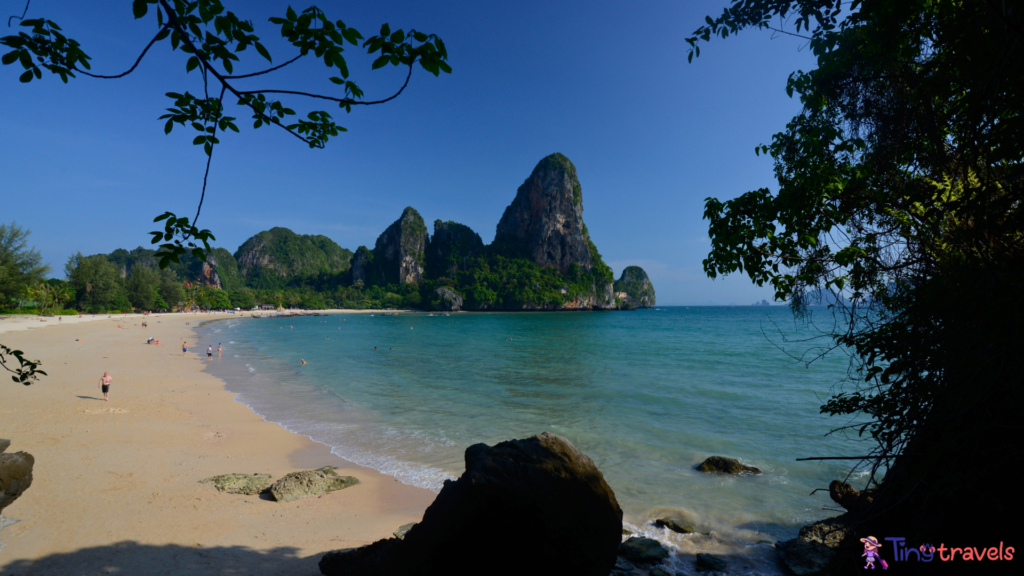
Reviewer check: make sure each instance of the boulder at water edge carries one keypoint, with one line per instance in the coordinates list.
(310, 483)
(676, 525)
(710, 563)
(530, 506)
(726, 465)
(643, 550)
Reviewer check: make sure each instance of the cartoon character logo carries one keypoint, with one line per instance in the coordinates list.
(871, 547)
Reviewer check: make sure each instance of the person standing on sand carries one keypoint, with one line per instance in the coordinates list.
(104, 385)
(184, 348)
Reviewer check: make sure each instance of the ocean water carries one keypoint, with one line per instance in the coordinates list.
(647, 394)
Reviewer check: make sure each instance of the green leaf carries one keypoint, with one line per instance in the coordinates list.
(10, 57)
(168, 127)
(139, 8)
(199, 140)
(263, 52)
(291, 14)
(398, 36)
(385, 30)
(378, 63)
(192, 63)
(26, 77)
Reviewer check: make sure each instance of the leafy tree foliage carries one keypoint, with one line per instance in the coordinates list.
(900, 186)
(20, 266)
(212, 40)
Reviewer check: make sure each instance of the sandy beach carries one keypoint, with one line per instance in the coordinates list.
(116, 484)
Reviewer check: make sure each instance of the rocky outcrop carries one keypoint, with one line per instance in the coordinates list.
(208, 276)
(726, 466)
(545, 221)
(450, 249)
(813, 551)
(536, 505)
(634, 288)
(307, 483)
(643, 550)
(239, 483)
(15, 474)
(449, 299)
(398, 257)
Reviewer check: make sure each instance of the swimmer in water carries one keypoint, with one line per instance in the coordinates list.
(302, 362)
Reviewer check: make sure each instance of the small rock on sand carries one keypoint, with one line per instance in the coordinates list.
(239, 483)
(307, 483)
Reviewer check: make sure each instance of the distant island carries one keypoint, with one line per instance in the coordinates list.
(542, 258)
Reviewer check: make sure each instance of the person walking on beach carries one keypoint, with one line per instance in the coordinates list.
(219, 350)
(209, 351)
(104, 385)
(184, 348)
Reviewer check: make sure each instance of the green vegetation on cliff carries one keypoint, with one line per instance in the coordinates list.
(275, 258)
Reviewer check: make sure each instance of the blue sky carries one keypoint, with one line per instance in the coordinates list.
(86, 165)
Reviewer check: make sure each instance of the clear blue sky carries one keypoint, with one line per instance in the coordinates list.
(86, 165)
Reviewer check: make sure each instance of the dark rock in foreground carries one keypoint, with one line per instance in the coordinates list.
(239, 483)
(710, 563)
(676, 525)
(813, 551)
(726, 465)
(643, 550)
(532, 506)
(307, 483)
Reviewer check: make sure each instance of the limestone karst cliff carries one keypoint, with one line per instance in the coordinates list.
(399, 254)
(451, 249)
(634, 288)
(545, 220)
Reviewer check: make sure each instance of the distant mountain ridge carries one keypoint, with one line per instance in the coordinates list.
(542, 258)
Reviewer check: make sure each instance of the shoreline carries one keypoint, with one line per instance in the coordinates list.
(116, 484)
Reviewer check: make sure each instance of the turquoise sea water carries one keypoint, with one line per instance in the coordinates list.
(647, 394)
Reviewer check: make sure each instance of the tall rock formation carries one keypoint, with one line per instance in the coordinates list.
(634, 288)
(545, 221)
(451, 248)
(398, 257)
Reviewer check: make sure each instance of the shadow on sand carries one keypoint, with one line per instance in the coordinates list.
(133, 558)
(89, 398)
